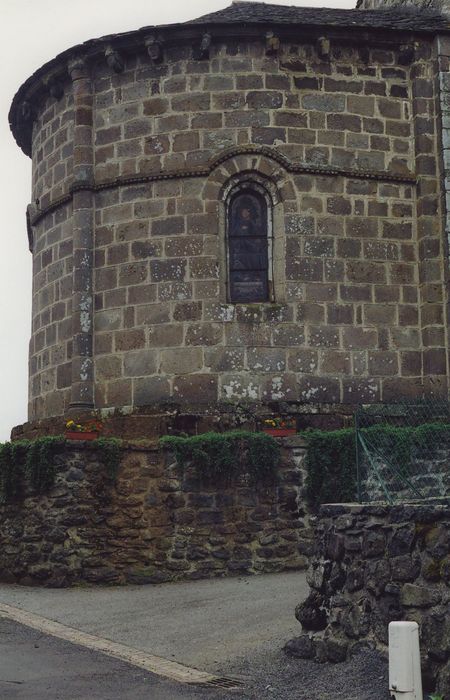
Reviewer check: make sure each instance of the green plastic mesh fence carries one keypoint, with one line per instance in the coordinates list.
(403, 451)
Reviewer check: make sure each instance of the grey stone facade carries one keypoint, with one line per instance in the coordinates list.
(133, 157)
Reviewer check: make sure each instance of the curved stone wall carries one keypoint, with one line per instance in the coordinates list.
(137, 157)
(153, 523)
(374, 564)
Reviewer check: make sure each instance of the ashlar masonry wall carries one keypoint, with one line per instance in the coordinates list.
(138, 163)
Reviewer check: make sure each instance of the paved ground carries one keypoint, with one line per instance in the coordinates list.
(36, 667)
(205, 624)
(232, 627)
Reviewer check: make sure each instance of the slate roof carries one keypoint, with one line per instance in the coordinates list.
(403, 18)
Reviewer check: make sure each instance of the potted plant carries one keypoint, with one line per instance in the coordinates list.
(279, 427)
(84, 430)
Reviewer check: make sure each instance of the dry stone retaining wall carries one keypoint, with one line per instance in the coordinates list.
(153, 524)
(373, 565)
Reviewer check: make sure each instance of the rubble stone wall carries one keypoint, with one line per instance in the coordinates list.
(372, 565)
(153, 523)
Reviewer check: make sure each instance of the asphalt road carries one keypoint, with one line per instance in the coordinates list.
(37, 667)
(230, 627)
(204, 624)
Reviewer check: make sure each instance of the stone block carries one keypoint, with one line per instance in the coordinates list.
(344, 122)
(165, 335)
(129, 340)
(168, 270)
(221, 359)
(269, 135)
(434, 361)
(378, 315)
(169, 226)
(133, 273)
(356, 391)
(414, 596)
(204, 334)
(264, 99)
(361, 272)
(303, 361)
(140, 363)
(288, 335)
(323, 336)
(324, 103)
(174, 291)
(197, 389)
(239, 386)
(335, 362)
(119, 392)
(192, 102)
(181, 360)
(149, 390)
(298, 224)
(340, 314)
(266, 359)
(108, 367)
(319, 390)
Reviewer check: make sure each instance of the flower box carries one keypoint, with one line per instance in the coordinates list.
(78, 435)
(280, 432)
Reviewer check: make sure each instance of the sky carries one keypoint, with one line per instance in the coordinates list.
(33, 32)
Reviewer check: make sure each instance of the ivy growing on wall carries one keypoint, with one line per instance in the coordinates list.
(111, 454)
(222, 457)
(27, 465)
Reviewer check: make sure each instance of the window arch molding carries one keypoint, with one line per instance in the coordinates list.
(248, 250)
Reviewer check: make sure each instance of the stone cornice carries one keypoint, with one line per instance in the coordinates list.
(55, 73)
(292, 167)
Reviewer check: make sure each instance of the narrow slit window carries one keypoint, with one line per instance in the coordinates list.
(249, 252)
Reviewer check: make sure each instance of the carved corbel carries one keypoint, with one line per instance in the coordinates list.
(54, 86)
(26, 113)
(364, 54)
(406, 55)
(272, 43)
(323, 47)
(30, 215)
(114, 60)
(78, 68)
(154, 48)
(202, 52)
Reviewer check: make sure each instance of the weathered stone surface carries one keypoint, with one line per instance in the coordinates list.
(400, 577)
(153, 524)
(413, 596)
(350, 252)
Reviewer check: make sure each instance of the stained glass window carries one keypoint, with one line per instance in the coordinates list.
(248, 247)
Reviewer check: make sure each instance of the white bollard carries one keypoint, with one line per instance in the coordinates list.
(405, 678)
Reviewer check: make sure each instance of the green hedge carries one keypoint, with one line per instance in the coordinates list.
(331, 467)
(331, 457)
(224, 456)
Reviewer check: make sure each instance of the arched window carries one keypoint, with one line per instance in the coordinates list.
(249, 244)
